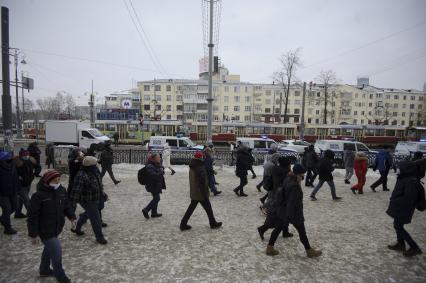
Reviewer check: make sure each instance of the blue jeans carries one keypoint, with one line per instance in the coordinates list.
(153, 204)
(91, 212)
(319, 185)
(52, 254)
(23, 199)
(212, 181)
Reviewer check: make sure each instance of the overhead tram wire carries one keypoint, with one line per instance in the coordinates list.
(365, 45)
(89, 60)
(143, 40)
(148, 42)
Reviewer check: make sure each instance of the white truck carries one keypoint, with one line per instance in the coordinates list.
(73, 132)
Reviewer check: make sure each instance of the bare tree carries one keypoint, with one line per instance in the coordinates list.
(69, 105)
(285, 76)
(327, 79)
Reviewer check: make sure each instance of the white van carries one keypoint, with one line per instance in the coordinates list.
(408, 148)
(158, 142)
(341, 145)
(262, 144)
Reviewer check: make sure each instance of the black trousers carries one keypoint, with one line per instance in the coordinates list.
(300, 227)
(272, 221)
(310, 176)
(243, 182)
(252, 171)
(207, 207)
(108, 168)
(383, 180)
(402, 235)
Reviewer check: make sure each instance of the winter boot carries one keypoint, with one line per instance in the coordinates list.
(261, 231)
(184, 227)
(154, 215)
(385, 189)
(360, 192)
(117, 182)
(145, 213)
(173, 172)
(399, 246)
(313, 198)
(77, 232)
(63, 280)
(216, 225)
(353, 190)
(287, 235)
(102, 241)
(271, 251)
(412, 252)
(337, 198)
(373, 188)
(10, 231)
(347, 181)
(47, 273)
(313, 253)
(237, 191)
(242, 194)
(217, 193)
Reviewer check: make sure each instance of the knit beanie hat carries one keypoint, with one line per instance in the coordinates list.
(199, 155)
(298, 169)
(89, 161)
(49, 175)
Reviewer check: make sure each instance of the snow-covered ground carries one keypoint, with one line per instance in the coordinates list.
(353, 235)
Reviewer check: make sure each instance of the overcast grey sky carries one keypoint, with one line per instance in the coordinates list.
(253, 34)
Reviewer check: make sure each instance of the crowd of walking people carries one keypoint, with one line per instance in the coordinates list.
(282, 204)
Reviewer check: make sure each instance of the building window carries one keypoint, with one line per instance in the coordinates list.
(157, 107)
(411, 106)
(403, 114)
(146, 97)
(318, 94)
(317, 112)
(404, 105)
(296, 120)
(226, 99)
(157, 87)
(179, 107)
(226, 88)
(362, 121)
(403, 123)
(297, 93)
(387, 96)
(246, 118)
(297, 102)
(146, 87)
(247, 99)
(178, 97)
(169, 117)
(267, 110)
(296, 111)
(317, 121)
(146, 107)
(247, 108)
(413, 98)
(277, 111)
(396, 97)
(268, 92)
(236, 99)
(371, 96)
(405, 97)
(362, 113)
(355, 121)
(420, 106)
(395, 114)
(236, 108)
(236, 89)
(169, 98)
(355, 112)
(267, 101)
(168, 88)
(246, 89)
(225, 108)
(309, 120)
(169, 108)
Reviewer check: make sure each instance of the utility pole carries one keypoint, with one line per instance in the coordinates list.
(302, 120)
(22, 96)
(18, 116)
(210, 94)
(6, 99)
(92, 110)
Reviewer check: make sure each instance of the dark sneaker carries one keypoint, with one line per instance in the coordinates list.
(236, 191)
(242, 194)
(373, 188)
(353, 191)
(77, 232)
(217, 193)
(154, 215)
(145, 213)
(412, 252)
(337, 198)
(260, 233)
(47, 273)
(313, 198)
(10, 231)
(20, 215)
(216, 225)
(185, 227)
(104, 225)
(386, 190)
(399, 246)
(117, 182)
(258, 188)
(63, 280)
(347, 182)
(287, 235)
(102, 241)
(254, 177)
(173, 172)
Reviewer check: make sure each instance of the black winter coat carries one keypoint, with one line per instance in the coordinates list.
(25, 171)
(107, 157)
(9, 181)
(278, 176)
(290, 202)
(34, 152)
(47, 211)
(244, 162)
(208, 164)
(155, 178)
(420, 168)
(311, 159)
(404, 196)
(325, 167)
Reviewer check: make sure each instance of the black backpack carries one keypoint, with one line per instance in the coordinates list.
(142, 176)
(421, 201)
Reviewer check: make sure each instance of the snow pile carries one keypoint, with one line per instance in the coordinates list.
(353, 235)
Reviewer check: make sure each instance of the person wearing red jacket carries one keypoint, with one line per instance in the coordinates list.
(361, 167)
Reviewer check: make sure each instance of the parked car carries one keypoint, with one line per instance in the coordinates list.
(175, 143)
(408, 148)
(297, 145)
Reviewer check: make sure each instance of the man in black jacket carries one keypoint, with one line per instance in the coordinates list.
(155, 184)
(311, 160)
(107, 159)
(325, 169)
(244, 161)
(9, 184)
(88, 192)
(420, 164)
(46, 218)
(35, 153)
(402, 205)
(289, 209)
(25, 166)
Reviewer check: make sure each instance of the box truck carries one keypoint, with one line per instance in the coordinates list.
(73, 132)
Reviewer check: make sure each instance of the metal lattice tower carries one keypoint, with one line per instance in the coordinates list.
(205, 10)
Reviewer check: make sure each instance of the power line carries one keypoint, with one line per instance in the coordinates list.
(148, 43)
(142, 39)
(366, 44)
(90, 60)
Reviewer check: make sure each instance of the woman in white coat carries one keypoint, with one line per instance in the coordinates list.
(166, 158)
